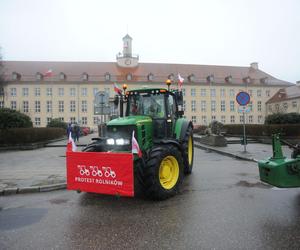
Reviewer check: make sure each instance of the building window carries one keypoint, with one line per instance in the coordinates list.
(241, 119)
(223, 106)
(285, 106)
(13, 105)
(223, 119)
(62, 76)
(259, 106)
(203, 106)
(107, 77)
(72, 92)
(37, 121)
(84, 92)
(231, 92)
(259, 93)
(61, 119)
(191, 78)
(222, 92)
(193, 106)
(194, 119)
(84, 120)
(232, 105)
(25, 91)
(260, 119)
(294, 104)
(107, 91)
(85, 77)
(203, 92)
(84, 106)
(250, 92)
(183, 105)
(213, 106)
(49, 91)
(129, 77)
(72, 106)
(37, 107)
(193, 92)
(204, 121)
(49, 106)
(213, 92)
(232, 119)
(49, 119)
(13, 92)
(37, 92)
(250, 119)
(95, 91)
(25, 106)
(150, 77)
(268, 93)
(213, 118)
(72, 119)
(61, 106)
(96, 120)
(250, 105)
(61, 91)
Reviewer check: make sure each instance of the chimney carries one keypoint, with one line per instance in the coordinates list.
(254, 65)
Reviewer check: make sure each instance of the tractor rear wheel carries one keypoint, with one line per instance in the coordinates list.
(163, 173)
(188, 151)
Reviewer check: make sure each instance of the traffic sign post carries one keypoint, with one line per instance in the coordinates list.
(243, 98)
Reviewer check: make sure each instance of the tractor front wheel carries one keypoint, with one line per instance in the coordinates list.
(163, 173)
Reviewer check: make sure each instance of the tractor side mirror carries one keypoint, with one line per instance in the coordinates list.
(179, 97)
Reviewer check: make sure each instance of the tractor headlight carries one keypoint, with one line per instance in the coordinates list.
(110, 141)
(122, 141)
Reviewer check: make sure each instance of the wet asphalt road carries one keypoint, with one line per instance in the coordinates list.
(222, 205)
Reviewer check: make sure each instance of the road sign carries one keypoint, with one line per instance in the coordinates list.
(101, 103)
(243, 98)
(244, 109)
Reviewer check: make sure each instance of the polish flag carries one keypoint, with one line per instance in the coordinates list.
(117, 89)
(180, 81)
(48, 73)
(71, 144)
(135, 146)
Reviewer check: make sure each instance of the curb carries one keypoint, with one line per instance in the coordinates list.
(197, 145)
(38, 189)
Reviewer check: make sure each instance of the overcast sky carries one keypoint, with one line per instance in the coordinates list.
(214, 32)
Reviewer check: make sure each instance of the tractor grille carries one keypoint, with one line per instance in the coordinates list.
(124, 132)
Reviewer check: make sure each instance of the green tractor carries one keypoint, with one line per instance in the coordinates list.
(164, 137)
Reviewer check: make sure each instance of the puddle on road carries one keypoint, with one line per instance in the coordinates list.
(14, 218)
(250, 185)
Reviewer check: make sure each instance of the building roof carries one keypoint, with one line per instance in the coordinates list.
(285, 94)
(160, 71)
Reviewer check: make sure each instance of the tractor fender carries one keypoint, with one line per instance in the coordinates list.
(169, 141)
(181, 127)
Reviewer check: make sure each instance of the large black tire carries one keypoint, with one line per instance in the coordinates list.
(188, 150)
(163, 173)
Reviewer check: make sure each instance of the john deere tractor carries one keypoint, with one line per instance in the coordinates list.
(164, 137)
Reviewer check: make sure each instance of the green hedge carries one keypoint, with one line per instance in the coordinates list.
(263, 130)
(289, 118)
(17, 136)
(14, 119)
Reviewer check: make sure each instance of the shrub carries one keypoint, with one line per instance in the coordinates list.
(13, 136)
(216, 127)
(57, 123)
(13, 119)
(289, 118)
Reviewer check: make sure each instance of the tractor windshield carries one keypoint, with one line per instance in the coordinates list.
(146, 104)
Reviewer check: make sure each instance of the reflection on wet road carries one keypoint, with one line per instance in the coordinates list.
(222, 205)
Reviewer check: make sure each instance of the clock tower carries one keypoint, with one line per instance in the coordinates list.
(127, 59)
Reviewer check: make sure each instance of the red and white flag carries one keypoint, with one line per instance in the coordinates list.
(71, 144)
(117, 89)
(180, 81)
(135, 146)
(48, 73)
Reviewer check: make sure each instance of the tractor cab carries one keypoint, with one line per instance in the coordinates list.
(159, 104)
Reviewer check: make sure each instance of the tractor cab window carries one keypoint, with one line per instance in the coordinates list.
(171, 106)
(146, 104)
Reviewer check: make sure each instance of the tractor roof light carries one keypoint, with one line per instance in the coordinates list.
(124, 86)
